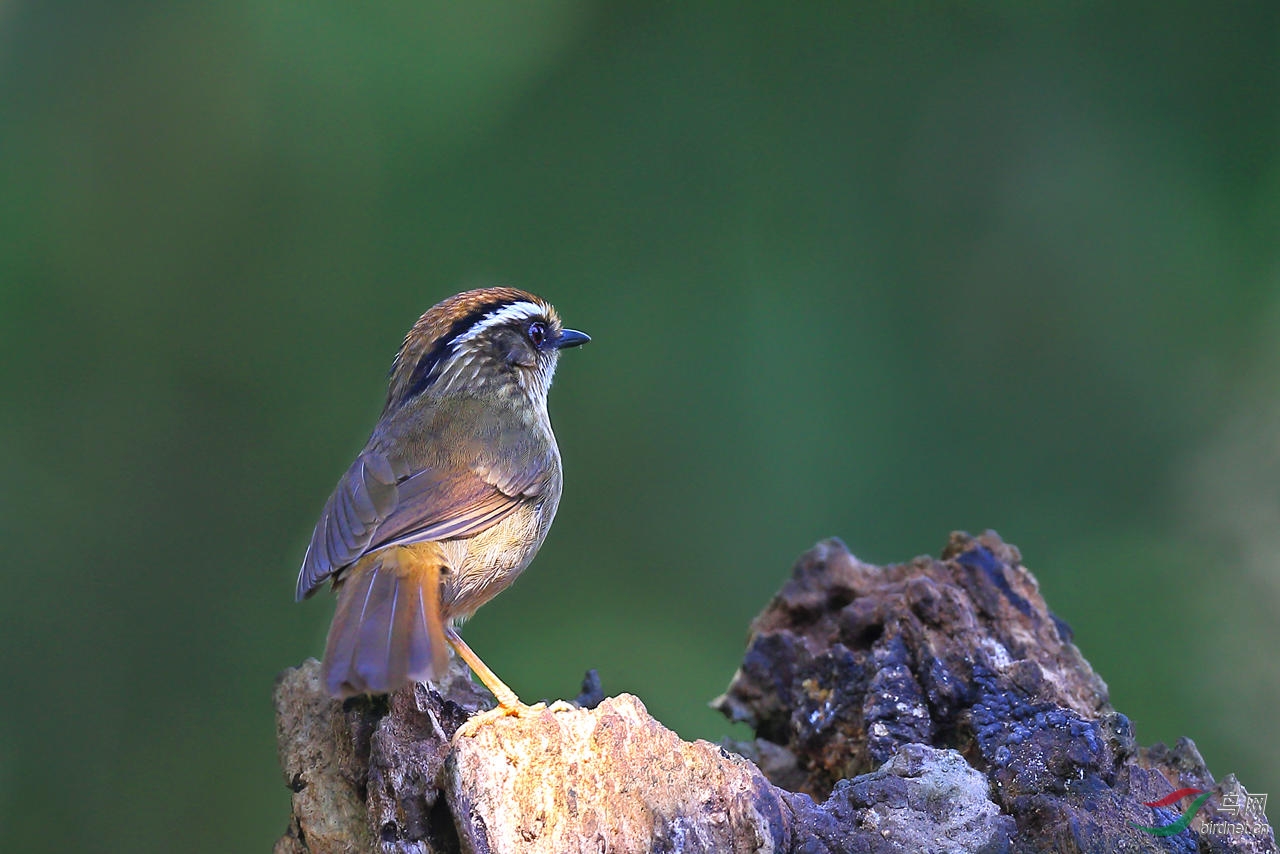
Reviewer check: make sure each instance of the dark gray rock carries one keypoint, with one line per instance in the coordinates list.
(850, 663)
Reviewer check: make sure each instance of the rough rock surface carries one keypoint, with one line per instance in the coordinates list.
(609, 779)
(851, 663)
(935, 706)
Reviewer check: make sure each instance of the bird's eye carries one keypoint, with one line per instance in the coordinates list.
(537, 333)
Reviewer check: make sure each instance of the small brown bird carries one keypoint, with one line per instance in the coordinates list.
(451, 497)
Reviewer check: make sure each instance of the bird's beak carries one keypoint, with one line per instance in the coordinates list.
(571, 338)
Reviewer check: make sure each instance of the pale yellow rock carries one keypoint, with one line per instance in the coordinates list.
(609, 779)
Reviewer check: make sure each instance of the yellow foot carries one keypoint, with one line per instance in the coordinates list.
(515, 710)
(561, 706)
(479, 719)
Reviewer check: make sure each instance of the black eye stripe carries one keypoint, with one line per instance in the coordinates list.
(424, 371)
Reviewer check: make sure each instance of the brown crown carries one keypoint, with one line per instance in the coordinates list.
(429, 340)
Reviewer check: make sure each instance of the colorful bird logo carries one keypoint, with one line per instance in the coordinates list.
(1183, 820)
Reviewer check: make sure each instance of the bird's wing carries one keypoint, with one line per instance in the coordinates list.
(374, 506)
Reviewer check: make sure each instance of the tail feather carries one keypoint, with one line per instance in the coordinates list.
(387, 630)
(344, 631)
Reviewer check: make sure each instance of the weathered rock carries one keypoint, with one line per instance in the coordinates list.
(935, 706)
(850, 663)
(923, 799)
(364, 773)
(608, 779)
(319, 755)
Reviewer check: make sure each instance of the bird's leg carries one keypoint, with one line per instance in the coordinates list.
(508, 702)
(507, 699)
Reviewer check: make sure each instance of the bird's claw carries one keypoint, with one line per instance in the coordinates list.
(514, 710)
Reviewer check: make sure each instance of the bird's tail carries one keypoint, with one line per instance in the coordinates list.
(387, 630)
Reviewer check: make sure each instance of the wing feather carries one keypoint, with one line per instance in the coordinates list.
(371, 509)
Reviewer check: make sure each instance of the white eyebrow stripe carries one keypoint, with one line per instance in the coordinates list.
(516, 311)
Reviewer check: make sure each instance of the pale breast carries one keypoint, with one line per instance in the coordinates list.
(486, 564)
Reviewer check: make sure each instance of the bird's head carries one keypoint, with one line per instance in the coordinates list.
(485, 341)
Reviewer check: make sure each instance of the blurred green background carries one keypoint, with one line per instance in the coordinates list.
(871, 270)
